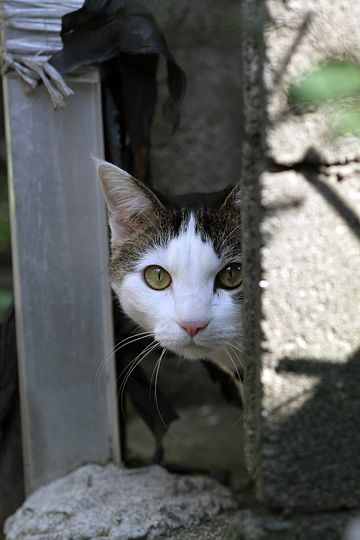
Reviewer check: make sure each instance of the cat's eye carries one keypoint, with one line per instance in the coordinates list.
(229, 277)
(156, 277)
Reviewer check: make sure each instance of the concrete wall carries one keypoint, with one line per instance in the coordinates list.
(204, 154)
(302, 280)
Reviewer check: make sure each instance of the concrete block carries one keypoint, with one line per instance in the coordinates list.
(301, 281)
(310, 362)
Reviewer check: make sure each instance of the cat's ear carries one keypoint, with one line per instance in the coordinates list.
(233, 198)
(126, 198)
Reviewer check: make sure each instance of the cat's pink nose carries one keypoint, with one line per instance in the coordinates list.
(192, 328)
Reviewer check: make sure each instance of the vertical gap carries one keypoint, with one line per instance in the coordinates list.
(11, 458)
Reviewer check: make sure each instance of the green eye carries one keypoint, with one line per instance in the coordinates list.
(229, 277)
(156, 277)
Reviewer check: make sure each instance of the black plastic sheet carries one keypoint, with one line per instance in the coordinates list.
(123, 38)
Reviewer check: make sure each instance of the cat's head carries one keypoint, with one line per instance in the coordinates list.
(176, 263)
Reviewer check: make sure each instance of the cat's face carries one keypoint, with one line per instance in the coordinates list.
(176, 265)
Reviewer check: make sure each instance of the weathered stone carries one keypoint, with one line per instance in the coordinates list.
(96, 502)
(219, 528)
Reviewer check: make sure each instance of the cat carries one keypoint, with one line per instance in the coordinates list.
(176, 266)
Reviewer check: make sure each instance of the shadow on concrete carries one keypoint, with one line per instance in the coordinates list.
(314, 454)
(335, 201)
(309, 167)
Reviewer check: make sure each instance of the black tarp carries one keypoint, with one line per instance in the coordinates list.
(123, 38)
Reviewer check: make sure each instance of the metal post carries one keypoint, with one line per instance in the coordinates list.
(62, 295)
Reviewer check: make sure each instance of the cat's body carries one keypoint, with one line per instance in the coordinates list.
(176, 266)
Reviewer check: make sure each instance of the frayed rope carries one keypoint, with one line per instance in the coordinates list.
(28, 56)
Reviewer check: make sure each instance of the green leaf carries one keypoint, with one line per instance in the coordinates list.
(332, 80)
(348, 122)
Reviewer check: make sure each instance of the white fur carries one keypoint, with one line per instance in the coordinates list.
(193, 265)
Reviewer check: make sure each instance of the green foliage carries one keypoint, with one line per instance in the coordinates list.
(333, 81)
(348, 121)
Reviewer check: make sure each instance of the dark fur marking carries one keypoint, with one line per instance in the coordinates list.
(215, 221)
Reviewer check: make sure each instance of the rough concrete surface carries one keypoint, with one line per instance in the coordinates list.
(252, 165)
(310, 366)
(96, 502)
(301, 279)
(219, 528)
(300, 36)
(205, 152)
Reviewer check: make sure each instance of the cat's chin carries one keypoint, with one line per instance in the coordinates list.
(191, 352)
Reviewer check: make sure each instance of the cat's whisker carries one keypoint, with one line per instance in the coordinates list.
(102, 366)
(134, 364)
(239, 418)
(120, 345)
(153, 373)
(123, 343)
(234, 364)
(157, 368)
(240, 348)
(149, 345)
(238, 342)
(235, 349)
(129, 366)
(117, 347)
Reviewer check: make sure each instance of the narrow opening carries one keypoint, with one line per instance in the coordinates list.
(5, 239)
(202, 156)
(11, 466)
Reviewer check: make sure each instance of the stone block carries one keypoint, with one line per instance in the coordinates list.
(111, 502)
